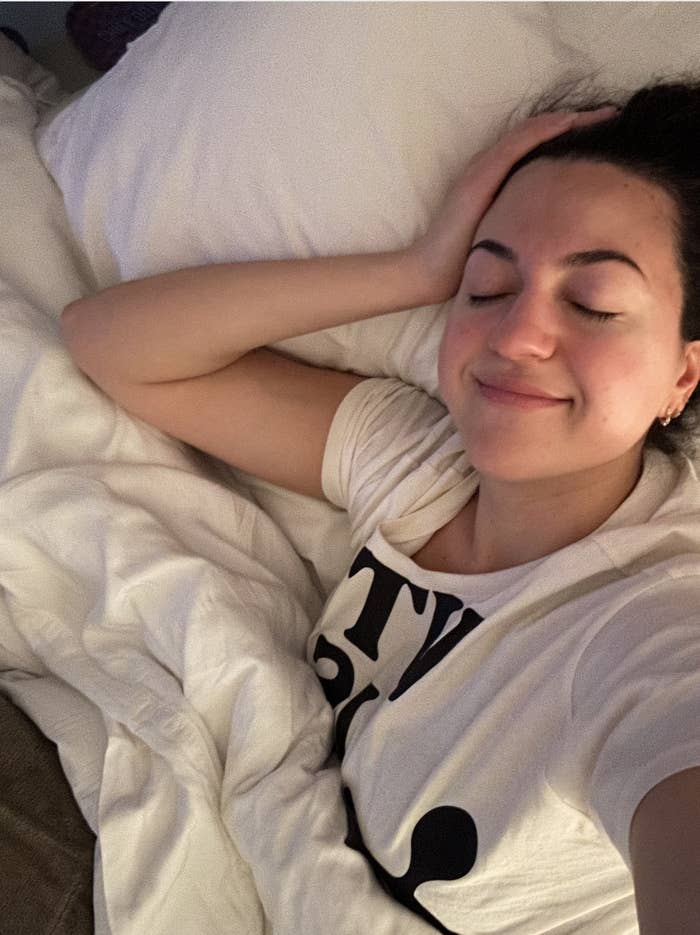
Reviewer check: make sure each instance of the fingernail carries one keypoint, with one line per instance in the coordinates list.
(600, 112)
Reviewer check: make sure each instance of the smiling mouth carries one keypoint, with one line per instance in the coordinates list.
(516, 400)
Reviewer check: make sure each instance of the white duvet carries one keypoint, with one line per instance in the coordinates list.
(153, 624)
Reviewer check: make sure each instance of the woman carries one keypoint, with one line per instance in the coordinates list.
(513, 655)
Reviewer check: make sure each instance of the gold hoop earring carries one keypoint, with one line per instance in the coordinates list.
(671, 415)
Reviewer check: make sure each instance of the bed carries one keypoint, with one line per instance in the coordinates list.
(154, 602)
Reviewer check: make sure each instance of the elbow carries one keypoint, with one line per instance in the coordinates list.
(79, 332)
(82, 322)
(70, 309)
(69, 319)
(85, 331)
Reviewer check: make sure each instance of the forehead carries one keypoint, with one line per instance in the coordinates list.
(554, 207)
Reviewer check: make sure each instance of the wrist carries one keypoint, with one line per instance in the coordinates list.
(416, 271)
(429, 269)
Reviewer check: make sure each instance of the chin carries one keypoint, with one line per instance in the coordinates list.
(505, 462)
(517, 460)
(514, 460)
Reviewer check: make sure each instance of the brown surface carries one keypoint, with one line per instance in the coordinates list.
(46, 847)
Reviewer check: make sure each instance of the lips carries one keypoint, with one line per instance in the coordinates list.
(516, 386)
(517, 395)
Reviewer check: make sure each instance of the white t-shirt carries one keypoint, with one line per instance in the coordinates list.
(497, 731)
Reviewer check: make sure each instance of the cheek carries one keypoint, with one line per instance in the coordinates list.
(445, 355)
(461, 340)
(619, 383)
(600, 370)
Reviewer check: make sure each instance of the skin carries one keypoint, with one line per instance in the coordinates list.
(549, 477)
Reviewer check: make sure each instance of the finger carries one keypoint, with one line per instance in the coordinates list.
(543, 127)
(557, 121)
(582, 118)
(531, 132)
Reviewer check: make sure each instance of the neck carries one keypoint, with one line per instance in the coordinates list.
(511, 523)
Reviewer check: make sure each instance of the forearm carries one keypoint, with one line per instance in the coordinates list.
(194, 321)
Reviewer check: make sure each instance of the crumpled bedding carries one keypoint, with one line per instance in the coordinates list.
(153, 618)
(153, 622)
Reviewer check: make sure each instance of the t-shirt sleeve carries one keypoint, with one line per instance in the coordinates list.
(635, 708)
(382, 432)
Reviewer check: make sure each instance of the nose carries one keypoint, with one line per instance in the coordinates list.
(523, 326)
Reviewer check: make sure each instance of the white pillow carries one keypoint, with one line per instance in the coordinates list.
(262, 131)
(629, 44)
(267, 130)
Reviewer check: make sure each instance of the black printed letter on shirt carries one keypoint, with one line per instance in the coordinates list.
(384, 590)
(342, 724)
(431, 653)
(339, 688)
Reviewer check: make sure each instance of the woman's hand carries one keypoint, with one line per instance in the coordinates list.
(442, 250)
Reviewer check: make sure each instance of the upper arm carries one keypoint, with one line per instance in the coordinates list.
(265, 414)
(665, 854)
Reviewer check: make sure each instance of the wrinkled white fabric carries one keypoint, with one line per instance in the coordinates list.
(153, 623)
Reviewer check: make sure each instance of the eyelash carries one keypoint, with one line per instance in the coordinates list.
(582, 309)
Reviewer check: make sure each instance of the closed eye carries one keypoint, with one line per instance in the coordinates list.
(582, 309)
(476, 299)
(601, 316)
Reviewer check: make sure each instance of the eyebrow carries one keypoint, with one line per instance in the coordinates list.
(584, 258)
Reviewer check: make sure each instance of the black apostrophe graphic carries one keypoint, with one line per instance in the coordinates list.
(444, 845)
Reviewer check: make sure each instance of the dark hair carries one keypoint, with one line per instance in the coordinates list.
(656, 136)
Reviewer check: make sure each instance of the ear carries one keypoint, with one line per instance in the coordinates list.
(690, 374)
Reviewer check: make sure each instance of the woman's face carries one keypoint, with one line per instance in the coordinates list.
(610, 378)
